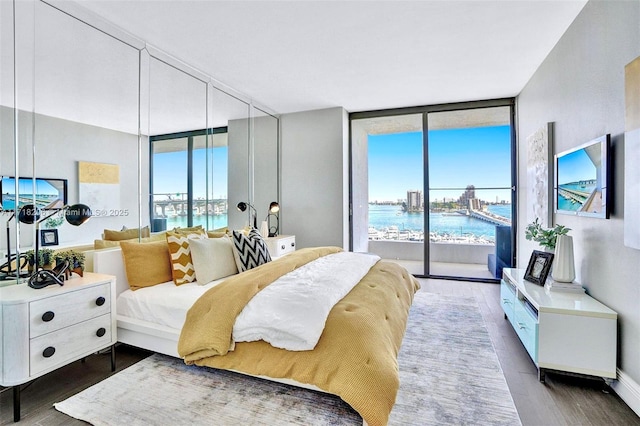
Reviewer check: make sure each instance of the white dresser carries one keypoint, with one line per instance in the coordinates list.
(281, 245)
(563, 331)
(45, 329)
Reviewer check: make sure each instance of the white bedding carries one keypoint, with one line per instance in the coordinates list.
(291, 312)
(163, 304)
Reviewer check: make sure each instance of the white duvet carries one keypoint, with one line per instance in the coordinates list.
(291, 312)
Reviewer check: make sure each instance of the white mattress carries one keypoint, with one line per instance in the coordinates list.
(163, 304)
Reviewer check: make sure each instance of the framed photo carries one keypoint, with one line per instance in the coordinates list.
(48, 237)
(539, 266)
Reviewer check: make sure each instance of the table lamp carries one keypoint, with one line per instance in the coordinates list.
(242, 206)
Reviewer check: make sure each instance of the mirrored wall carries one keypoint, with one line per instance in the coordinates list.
(91, 115)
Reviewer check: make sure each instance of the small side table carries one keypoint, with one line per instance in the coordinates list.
(281, 245)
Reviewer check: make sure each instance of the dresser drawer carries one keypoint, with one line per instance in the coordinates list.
(54, 313)
(507, 299)
(60, 347)
(279, 246)
(526, 326)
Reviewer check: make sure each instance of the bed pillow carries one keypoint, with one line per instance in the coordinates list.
(188, 230)
(127, 234)
(146, 264)
(212, 259)
(181, 265)
(250, 250)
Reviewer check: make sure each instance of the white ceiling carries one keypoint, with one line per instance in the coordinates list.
(361, 55)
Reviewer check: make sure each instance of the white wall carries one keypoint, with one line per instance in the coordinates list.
(580, 87)
(315, 178)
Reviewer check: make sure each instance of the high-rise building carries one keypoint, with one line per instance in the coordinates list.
(414, 201)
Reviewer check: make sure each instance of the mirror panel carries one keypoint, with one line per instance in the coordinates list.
(266, 165)
(177, 117)
(85, 127)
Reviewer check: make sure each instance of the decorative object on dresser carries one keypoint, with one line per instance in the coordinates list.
(274, 210)
(539, 152)
(563, 266)
(53, 327)
(76, 215)
(561, 331)
(546, 237)
(539, 266)
(49, 237)
(242, 206)
(281, 245)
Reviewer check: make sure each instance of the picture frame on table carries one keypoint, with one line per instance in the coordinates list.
(48, 237)
(539, 267)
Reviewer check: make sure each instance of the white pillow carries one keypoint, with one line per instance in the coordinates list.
(212, 259)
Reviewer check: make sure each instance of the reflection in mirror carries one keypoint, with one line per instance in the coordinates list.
(85, 126)
(227, 111)
(8, 224)
(266, 165)
(177, 130)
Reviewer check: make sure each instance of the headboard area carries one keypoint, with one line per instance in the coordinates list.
(110, 261)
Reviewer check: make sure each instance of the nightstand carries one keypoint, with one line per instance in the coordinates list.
(43, 330)
(281, 245)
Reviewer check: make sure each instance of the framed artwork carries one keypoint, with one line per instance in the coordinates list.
(99, 187)
(539, 185)
(48, 237)
(539, 267)
(632, 154)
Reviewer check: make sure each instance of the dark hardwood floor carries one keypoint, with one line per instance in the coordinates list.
(561, 400)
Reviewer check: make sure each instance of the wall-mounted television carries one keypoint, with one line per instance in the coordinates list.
(582, 179)
(50, 194)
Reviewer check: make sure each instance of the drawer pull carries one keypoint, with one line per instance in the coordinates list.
(48, 352)
(506, 301)
(101, 332)
(48, 316)
(293, 244)
(521, 326)
(100, 301)
(283, 247)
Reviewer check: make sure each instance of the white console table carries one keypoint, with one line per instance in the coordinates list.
(562, 331)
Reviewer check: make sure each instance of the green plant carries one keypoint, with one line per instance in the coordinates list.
(45, 257)
(75, 258)
(545, 237)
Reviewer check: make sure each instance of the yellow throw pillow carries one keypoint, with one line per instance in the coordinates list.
(181, 264)
(112, 235)
(146, 264)
(101, 244)
(216, 234)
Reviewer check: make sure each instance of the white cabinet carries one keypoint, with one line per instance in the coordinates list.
(562, 331)
(45, 329)
(281, 245)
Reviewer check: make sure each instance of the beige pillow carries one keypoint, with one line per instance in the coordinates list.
(181, 265)
(146, 264)
(188, 230)
(212, 259)
(100, 244)
(111, 235)
(216, 234)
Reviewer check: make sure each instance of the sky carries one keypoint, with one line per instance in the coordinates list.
(170, 172)
(457, 158)
(575, 166)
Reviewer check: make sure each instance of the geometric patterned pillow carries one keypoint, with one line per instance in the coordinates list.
(181, 265)
(250, 250)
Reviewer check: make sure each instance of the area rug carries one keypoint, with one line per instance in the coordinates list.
(449, 374)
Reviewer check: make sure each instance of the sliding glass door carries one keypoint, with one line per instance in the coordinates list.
(470, 196)
(442, 174)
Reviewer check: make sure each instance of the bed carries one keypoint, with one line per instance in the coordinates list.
(355, 357)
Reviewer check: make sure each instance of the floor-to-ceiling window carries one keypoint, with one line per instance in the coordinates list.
(195, 190)
(433, 187)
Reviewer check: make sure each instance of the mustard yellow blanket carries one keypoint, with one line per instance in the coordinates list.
(356, 357)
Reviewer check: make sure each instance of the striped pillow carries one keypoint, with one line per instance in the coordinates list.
(250, 250)
(181, 265)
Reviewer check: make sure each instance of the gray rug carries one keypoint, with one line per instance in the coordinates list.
(449, 374)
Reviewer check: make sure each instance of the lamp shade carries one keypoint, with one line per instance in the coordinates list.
(29, 214)
(564, 270)
(274, 207)
(242, 206)
(77, 214)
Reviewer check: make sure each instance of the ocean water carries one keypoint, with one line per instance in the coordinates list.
(381, 217)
